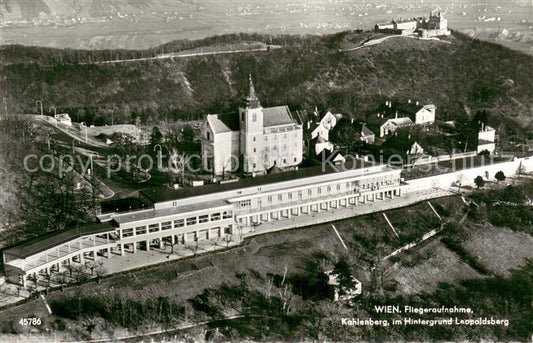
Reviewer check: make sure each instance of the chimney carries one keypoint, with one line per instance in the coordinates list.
(409, 101)
(390, 104)
(396, 115)
(308, 124)
(417, 103)
(352, 121)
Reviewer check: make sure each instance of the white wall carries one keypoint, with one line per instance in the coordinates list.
(487, 134)
(424, 116)
(223, 152)
(466, 176)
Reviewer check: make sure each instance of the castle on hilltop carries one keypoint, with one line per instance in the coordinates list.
(435, 25)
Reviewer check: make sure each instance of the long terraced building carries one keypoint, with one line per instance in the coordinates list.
(203, 213)
(236, 209)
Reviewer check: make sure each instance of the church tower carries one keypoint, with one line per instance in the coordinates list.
(251, 132)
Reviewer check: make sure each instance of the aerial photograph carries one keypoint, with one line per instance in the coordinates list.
(266, 171)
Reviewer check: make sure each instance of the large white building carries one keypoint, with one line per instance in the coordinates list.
(220, 211)
(258, 137)
(206, 213)
(435, 25)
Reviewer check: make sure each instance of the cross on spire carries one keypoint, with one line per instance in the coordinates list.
(252, 100)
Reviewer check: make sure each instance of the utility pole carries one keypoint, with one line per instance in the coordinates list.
(85, 126)
(55, 113)
(92, 171)
(40, 103)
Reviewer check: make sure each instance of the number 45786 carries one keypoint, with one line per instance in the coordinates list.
(30, 321)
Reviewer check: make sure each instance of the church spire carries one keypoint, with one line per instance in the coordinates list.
(252, 101)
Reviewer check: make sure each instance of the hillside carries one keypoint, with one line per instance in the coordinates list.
(474, 264)
(462, 76)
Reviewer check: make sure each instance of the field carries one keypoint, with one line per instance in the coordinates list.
(137, 25)
(431, 264)
(500, 249)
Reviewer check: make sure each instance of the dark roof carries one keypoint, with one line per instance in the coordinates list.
(308, 132)
(272, 116)
(366, 131)
(224, 122)
(53, 239)
(122, 205)
(404, 110)
(400, 21)
(358, 125)
(167, 194)
(330, 155)
(275, 169)
(279, 115)
(231, 120)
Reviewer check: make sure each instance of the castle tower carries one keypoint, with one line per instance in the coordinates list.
(251, 132)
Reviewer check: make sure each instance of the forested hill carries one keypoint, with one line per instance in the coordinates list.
(459, 76)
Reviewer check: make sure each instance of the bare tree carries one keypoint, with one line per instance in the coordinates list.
(194, 247)
(269, 286)
(380, 276)
(70, 268)
(100, 271)
(224, 168)
(91, 265)
(286, 296)
(177, 164)
(228, 239)
(80, 275)
(64, 276)
(284, 274)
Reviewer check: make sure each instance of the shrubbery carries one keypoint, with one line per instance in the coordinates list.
(129, 313)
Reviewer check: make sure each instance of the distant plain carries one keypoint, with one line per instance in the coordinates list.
(134, 24)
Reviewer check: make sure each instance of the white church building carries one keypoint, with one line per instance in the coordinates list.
(258, 137)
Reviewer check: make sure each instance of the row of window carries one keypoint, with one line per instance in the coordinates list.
(374, 185)
(349, 186)
(140, 230)
(282, 129)
(275, 137)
